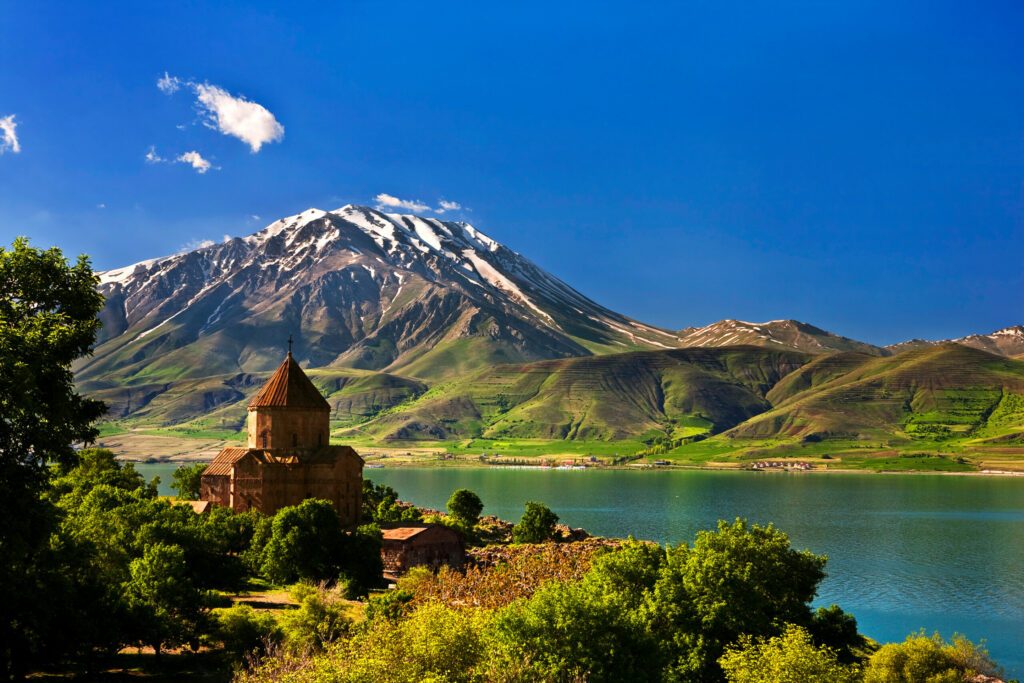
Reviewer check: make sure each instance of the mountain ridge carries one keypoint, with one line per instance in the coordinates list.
(390, 311)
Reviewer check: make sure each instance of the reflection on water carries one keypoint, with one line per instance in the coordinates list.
(905, 552)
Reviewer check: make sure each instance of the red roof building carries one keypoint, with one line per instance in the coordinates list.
(288, 457)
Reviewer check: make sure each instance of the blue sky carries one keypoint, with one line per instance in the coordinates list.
(859, 166)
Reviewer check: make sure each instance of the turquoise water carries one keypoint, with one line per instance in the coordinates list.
(905, 552)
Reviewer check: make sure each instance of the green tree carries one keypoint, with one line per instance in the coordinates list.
(48, 311)
(789, 658)
(305, 543)
(186, 480)
(381, 505)
(928, 659)
(574, 631)
(166, 606)
(834, 628)
(361, 565)
(741, 579)
(465, 506)
(537, 524)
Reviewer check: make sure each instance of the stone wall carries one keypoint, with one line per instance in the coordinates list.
(288, 428)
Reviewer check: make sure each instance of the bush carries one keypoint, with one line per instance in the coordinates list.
(928, 659)
(322, 617)
(834, 628)
(790, 658)
(537, 524)
(245, 631)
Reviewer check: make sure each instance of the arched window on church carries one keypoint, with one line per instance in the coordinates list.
(320, 439)
(264, 438)
(295, 440)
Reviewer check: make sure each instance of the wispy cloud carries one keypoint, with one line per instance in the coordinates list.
(101, 206)
(9, 139)
(445, 205)
(194, 244)
(195, 160)
(387, 201)
(250, 122)
(152, 157)
(198, 243)
(169, 84)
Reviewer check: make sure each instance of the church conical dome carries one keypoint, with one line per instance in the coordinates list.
(289, 387)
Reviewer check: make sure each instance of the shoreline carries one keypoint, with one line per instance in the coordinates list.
(450, 464)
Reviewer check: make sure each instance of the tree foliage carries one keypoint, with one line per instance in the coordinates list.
(186, 480)
(929, 659)
(305, 543)
(788, 658)
(465, 506)
(537, 524)
(48, 311)
(165, 604)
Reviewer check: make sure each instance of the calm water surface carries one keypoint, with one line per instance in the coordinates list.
(905, 552)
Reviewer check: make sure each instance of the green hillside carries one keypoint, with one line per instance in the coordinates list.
(676, 394)
(932, 394)
(696, 405)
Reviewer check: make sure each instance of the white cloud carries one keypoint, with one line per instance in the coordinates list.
(248, 121)
(196, 160)
(194, 244)
(444, 205)
(152, 157)
(101, 206)
(169, 84)
(387, 201)
(254, 217)
(9, 141)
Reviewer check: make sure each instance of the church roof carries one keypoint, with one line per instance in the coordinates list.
(289, 387)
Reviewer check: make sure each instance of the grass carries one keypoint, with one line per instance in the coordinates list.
(194, 433)
(544, 447)
(916, 462)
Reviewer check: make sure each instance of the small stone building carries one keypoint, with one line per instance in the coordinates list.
(288, 457)
(423, 545)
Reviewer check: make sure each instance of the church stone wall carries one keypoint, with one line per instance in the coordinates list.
(216, 489)
(288, 428)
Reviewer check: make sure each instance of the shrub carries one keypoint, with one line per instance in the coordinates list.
(928, 659)
(322, 617)
(245, 631)
(790, 658)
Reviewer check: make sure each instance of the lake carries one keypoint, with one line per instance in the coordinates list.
(905, 552)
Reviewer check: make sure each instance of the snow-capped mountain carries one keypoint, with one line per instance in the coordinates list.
(357, 288)
(788, 334)
(1008, 341)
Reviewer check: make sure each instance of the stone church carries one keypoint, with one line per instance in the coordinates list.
(288, 457)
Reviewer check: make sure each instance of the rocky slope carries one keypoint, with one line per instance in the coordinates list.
(1008, 341)
(776, 334)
